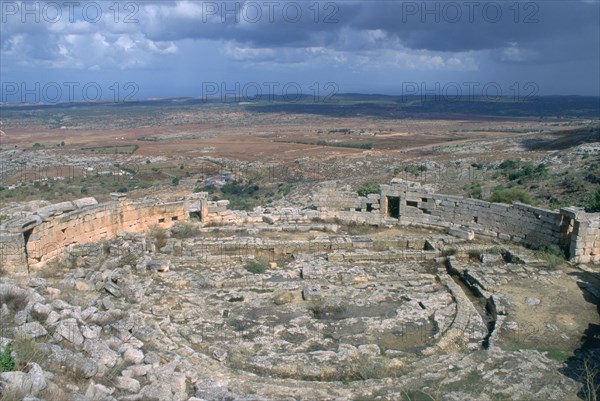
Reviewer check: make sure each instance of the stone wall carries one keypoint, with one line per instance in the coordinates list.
(585, 239)
(408, 203)
(32, 240)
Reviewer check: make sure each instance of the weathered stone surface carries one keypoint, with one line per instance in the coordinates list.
(311, 292)
(32, 382)
(490, 258)
(31, 330)
(98, 392)
(311, 271)
(85, 202)
(219, 354)
(70, 332)
(283, 297)
(133, 355)
(531, 301)
(113, 289)
(464, 234)
(373, 294)
(159, 265)
(53, 317)
(127, 384)
(145, 333)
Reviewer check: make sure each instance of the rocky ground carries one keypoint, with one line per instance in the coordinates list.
(125, 321)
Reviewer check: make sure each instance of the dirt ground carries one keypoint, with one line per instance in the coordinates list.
(555, 323)
(272, 137)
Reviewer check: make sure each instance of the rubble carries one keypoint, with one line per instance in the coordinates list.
(387, 308)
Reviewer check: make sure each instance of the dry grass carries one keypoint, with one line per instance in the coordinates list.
(15, 301)
(28, 350)
(157, 236)
(52, 393)
(12, 395)
(184, 229)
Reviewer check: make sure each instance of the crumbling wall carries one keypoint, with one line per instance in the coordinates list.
(517, 222)
(348, 206)
(585, 237)
(33, 240)
(575, 231)
(49, 239)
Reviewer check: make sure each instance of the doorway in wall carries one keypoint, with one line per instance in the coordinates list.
(566, 232)
(393, 206)
(195, 216)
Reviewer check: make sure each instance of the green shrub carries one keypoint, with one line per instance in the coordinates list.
(7, 363)
(414, 169)
(369, 188)
(522, 172)
(474, 190)
(552, 255)
(510, 196)
(239, 188)
(508, 164)
(255, 267)
(593, 202)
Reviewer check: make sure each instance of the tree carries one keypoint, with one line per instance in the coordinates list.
(368, 188)
(593, 202)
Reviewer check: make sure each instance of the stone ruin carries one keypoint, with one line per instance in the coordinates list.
(406, 203)
(378, 313)
(31, 240)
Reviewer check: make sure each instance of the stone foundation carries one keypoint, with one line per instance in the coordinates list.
(408, 203)
(31, 241)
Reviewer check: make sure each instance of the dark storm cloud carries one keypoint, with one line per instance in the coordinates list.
(425, 25)
(474, 25)
(374, 44)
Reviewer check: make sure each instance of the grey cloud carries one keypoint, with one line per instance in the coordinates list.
(478, 27)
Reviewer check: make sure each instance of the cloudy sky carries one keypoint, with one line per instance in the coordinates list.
(197, 48)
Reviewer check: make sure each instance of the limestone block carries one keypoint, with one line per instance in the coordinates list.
(269, 219)
(56, 209)
(24, 223)
(85, 202)
(464, 234)
(311, 271)
(311, 292)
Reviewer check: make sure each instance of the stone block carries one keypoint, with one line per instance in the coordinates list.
(24, 223)
(269, 219)
(489, 258)
(311, 292)
(85, 202)
(311, 271)
(460, 233)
